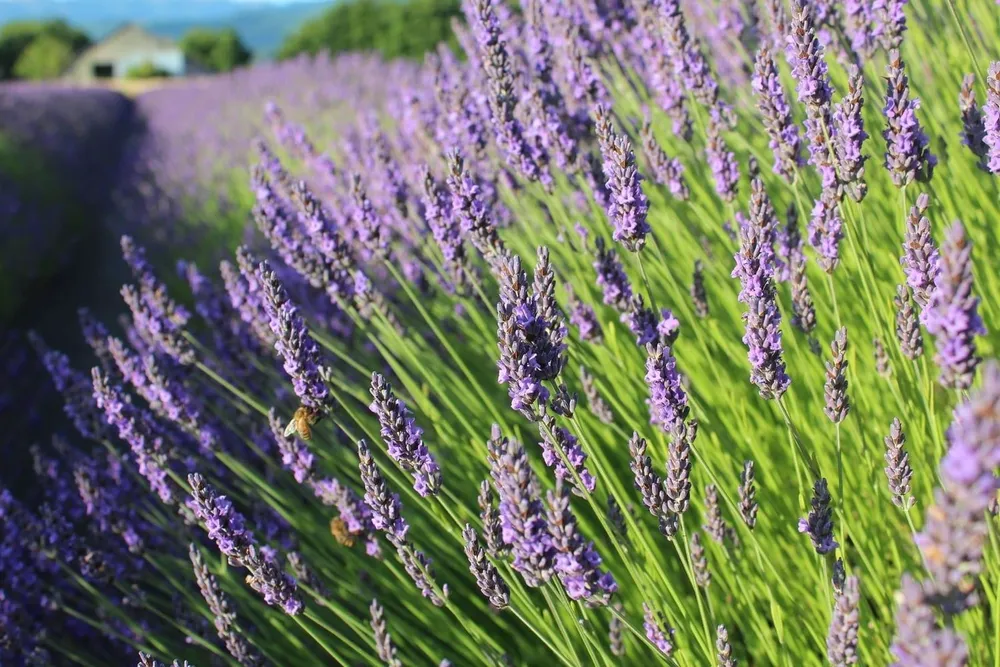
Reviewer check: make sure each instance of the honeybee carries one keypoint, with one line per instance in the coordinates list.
(338, 528)
(302, 422)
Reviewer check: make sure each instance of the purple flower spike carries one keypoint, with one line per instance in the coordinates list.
(387, 511)
(298, 351)
(826, 229)
(227, 528)
(951, 315)
(842, 639)
(973, 132)
(577, 563)
(919, 641)
(628, 204)
(522, 515)
(531, 344)
(889, 22)
(583, 317)
(920, 255)
(721, 160)
(658, 631)
(668, 402)
(559, 448)
(137, 428)
(955, 532)
(403, 438)
(774, 107)
(819, 524)
(612, 279)
(991, 118)
(849, 133)
(805, 54)
(755, 269)
(665, 170)
(907, 156)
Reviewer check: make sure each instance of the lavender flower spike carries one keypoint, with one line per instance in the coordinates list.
(668, 402)
(955, 531)
(384, 646)
(919, 641)
(911, 342)
(897, 466)
(835, 387)
(952, 315)
(577, 563)
(907, 156)
(491, 583)
(849, 134)
(387, 511)
(826, 230)
(774, 107)
(991, 118)
(628, 205)
(973, 132)
(920, 255)
(657, 630)
(754, 268)
(819, 524)
(722, 161)
(298, 351)
(842, 640)
(559, 448)
(664, 170)
(403, 438)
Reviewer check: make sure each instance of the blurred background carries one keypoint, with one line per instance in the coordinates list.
(137, 117)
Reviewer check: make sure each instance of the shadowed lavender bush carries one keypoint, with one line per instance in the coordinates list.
(519, 360)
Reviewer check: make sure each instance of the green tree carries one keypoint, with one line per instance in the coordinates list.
(45, 58)
(17, 36)
(393, 28)
(217, 50)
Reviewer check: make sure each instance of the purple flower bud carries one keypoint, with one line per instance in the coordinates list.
(668, 402)
(849, 133)
(920, 256)
(951, 315)
(658, 632)
(403, 438)
(612, 279)
(973, 132)
(777, 113)
(819, 524)
(298, 351)
(577, 563)
(628, 205)
(835, 387)
(907, 156)
(911, 342)
(490, 582)
(748, 496)
(897, 466)
(991, 117)
(842, 639)
(384, 647)
(919, 641)
(826, 229)
(387, 511)
(559, 448)
(664, 170)
(721, 160)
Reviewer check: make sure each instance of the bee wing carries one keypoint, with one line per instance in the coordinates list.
(291, 429)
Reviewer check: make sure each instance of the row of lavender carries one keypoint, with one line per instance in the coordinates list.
(386, 285)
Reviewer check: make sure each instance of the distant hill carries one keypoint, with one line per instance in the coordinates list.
(262, 25)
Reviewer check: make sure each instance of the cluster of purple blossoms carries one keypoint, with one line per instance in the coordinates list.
(245, 295)
(227, 528)
(387, 511)
(469, 208)
(577, 563)
(403, 438)
(721, 160)
(809, 69)
(777, 112)
(511, 137)
(529, 338)
(666, 88)
(849, 134)
(137, 428)
(628, 205)
(522, 513)
(76, 390)
(583, 317)
(991, 118)
(973, 132)
(668, 402)
(611, 277)
(889, 22)
(951, 314)
(907, 156)
(444, 228)
(826, 230)
(819, 524)
(297, 349)
(562, 452)
(755, 269)
(658, 631)
(665, 170)
(920, 256)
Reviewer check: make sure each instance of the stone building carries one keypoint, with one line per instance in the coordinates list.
(128, 47)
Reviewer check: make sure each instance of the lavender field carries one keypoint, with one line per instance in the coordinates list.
(641, 332)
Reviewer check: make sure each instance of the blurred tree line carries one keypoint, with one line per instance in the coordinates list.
(38, 49)
(394, 28)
